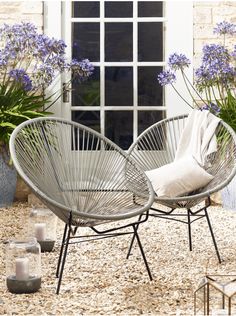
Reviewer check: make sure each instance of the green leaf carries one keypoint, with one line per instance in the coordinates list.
(17, 106)
(7, 124)
(228, 110)
(17, 115)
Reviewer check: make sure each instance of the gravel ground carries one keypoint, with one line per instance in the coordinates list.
(98, 280)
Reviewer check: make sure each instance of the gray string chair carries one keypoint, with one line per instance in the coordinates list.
(84, 178)
(157, 146)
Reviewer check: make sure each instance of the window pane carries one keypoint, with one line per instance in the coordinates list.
(148, 118)
(118, 86)
(87, 118)
(87, 93)
(119, 127)
(86, 9)
(86, 41)
(150, 93)
(118, 9)
(150, 9)
(150, 41)
(118, 41)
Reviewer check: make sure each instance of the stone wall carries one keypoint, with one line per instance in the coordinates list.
(17, 11)
(206, 15)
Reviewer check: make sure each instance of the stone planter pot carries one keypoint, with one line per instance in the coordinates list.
(8, 177)
(229, 195)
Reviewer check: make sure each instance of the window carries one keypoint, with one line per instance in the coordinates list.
(128, 43)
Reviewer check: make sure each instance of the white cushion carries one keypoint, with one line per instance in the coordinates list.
(178, 178)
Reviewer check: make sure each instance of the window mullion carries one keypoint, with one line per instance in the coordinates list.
(135, 70)
(102, 67)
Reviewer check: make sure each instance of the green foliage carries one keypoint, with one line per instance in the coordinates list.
(228, 110)
(17, 106)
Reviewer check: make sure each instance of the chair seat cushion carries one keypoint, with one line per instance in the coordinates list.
(178, 178)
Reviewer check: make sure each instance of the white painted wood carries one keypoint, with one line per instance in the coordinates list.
(135, 70)
(102, 68)
(178, 38)
(52, 28)
(66, 35)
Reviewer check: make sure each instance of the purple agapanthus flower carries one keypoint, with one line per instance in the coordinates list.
(178, 61)
(47, 46)
(205, 107)
(42, 56)
(44, 76)
(215, 67)
(214, 79)
(215, 53)
(21, 77)
(3, 61)
(225, 27)
(212, 107)
(166, 77)
(233, 54)
(82, 68)
(203, 74)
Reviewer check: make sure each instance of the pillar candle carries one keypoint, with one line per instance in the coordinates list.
(22, 268)
(40, 231)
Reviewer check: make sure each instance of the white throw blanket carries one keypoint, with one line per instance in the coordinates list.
(198, 137)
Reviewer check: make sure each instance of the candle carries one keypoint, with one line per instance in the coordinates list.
(40, 231)
(22, 268)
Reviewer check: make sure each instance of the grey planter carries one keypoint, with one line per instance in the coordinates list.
(229, 195)
(8, 177)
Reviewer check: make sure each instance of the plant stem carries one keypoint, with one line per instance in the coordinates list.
(181, 96)
(189, 91)
(192, 86)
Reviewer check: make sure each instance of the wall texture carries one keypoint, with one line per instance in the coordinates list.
(206, 15)
(17, 11)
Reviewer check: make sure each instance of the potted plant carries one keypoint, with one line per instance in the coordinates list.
(29, 62)
(214, 86)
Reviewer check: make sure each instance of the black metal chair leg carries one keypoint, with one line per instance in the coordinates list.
(212, 235)
(67, 239)
(132, 240)
(189, 231)
(61, 251)
(142, 252)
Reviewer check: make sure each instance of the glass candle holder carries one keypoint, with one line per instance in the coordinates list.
(23, 266)
(42, 225)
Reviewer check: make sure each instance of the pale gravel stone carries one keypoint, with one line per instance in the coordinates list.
(98, 280)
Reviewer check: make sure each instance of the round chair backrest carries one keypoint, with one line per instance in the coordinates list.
(72, 167)
(157, 146)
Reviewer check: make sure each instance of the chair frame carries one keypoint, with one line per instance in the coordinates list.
(70, 235)
(190, 216)
(197, 215)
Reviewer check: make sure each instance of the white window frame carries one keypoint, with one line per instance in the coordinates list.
(178, 37)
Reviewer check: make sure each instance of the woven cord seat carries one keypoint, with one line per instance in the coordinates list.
(157, 146)
(84, 178)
